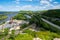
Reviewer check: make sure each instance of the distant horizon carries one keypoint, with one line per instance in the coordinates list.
(27, 10)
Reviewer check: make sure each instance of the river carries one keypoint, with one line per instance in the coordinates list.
(10, 15)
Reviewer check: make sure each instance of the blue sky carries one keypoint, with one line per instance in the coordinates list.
(17, 5)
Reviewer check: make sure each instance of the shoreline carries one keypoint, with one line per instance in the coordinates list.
(15, 23)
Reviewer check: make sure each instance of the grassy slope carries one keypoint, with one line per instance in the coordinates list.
(45, 35)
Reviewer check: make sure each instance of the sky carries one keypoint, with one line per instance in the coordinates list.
(34, 5)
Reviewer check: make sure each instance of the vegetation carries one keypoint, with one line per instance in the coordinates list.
(5, 33)
(24, 26)
(55, 13)
(2, 23)
(2, 17)
(29, 35)
(49, 32)
(53, 16)
(20, 17)
(23, 37)
(32, 33)
(44, 35)
(47, 26)
(35, 18)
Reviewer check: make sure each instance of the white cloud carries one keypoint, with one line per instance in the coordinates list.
(46, 3)
(26, 7)
(50, 0)
(31, 0)
(46, 0)
(30, 7)
(1, 6)
(27, 0)
(56, 7)
(56, 2)
(17, 1)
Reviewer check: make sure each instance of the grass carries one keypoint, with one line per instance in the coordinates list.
(44, 35)
(29, 35)
(24, 37)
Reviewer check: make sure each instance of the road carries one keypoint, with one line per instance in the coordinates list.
(50, 23)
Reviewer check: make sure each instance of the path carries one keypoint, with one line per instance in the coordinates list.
(33, 25)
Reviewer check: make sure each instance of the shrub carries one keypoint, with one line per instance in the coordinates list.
(30, 32)
(46, 35)
(23, 25)
(24, 37)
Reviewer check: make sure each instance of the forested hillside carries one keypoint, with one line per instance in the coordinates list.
(53, 16)
(53, 13)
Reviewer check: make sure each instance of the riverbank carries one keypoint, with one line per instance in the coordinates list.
(9, 16)
(15, 23)
(2, 17)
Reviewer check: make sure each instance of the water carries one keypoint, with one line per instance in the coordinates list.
(10, 15)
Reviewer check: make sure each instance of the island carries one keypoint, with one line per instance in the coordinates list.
(2, 17)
